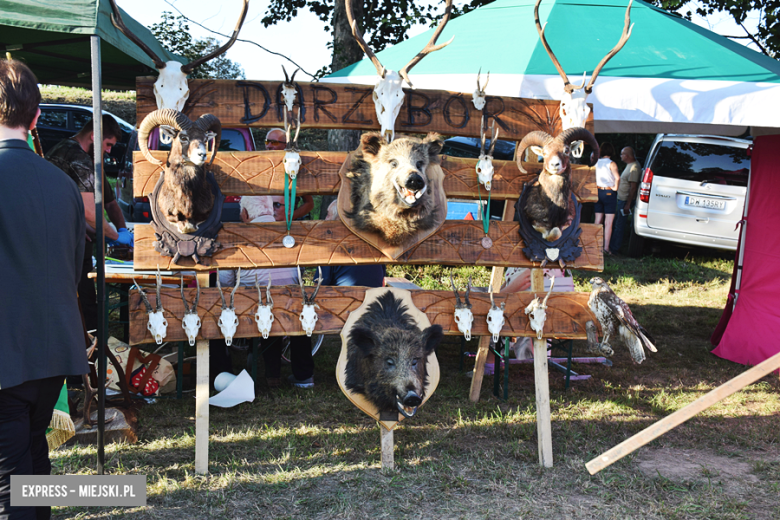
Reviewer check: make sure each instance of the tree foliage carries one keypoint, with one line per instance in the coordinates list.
(174, 34)
(767, 35)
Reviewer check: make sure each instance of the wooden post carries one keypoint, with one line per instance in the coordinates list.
(202, 398)
(680, 416)
(496, 280)
(386, 439)
(542, 384)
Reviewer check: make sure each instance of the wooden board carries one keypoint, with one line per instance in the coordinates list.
(262, 173)
(349, 106)
(457, 242)
(567, 312)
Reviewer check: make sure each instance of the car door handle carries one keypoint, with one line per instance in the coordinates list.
(703, 220)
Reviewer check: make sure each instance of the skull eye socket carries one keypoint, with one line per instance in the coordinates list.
(394, 163)
(390, 363)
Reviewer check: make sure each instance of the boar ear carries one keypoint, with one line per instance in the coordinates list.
(371, 143)
(435, 144)
(432, 336)
(364, 339)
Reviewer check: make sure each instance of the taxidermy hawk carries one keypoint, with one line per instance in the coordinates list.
(616, 319)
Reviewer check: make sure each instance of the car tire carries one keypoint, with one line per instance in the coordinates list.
(636, 244)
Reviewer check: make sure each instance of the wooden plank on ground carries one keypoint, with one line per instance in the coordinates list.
(262, 173)
(566, 316)
(457, 242)
(349, 106)
(680, 416)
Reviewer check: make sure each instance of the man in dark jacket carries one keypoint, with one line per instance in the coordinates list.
(42, 233)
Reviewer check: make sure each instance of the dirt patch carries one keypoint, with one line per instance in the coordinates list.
(698, 465)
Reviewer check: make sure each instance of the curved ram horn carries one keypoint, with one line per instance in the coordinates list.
(210, 122)
(165, 116)
(535, 138)
(200, 61)
(579, 134)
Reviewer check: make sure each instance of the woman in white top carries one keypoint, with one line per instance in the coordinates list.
(607, 180)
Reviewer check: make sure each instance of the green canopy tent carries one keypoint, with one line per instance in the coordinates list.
(671, 76)
(74, 43)
(53, 38)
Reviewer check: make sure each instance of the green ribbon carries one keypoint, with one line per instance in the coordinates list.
(486, 212)
(289, 200)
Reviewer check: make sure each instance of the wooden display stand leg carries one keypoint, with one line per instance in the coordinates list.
(202, 399)
(542, 384)
(386, 437)
(496, 281)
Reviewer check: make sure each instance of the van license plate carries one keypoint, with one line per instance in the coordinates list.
(698, 202)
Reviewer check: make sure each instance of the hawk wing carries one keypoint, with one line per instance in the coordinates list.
(628, 325)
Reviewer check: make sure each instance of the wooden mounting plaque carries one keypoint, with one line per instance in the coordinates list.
(320, 242)
(262, 173)
(567, 313)
(349, 106)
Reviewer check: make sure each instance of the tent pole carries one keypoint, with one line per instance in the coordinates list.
(97, 113)
(741, 243)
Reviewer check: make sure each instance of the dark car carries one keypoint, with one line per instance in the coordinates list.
(137, 209)
(58, 122)
(469, 147)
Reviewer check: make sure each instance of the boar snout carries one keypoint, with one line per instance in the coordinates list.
(415, 182)
(412, 399)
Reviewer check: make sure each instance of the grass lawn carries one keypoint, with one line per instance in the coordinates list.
(311, 454)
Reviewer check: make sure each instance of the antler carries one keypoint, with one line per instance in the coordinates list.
(269, 300)
(221, 294)
(233, 293)
(552, 284)
(159, 284)
(292, 145)
(567, 86)
(287, 79)
(493, 136)
(186, 308)
(482, 89)
(623, 39)
(361, 42)
(306, 299)
(116, 19)
(197, 296)
(143, 295)
(430, 47)
(468, 290)
(200, 61)
(458, 304)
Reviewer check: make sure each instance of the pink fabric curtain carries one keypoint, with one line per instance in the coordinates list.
(752, 334)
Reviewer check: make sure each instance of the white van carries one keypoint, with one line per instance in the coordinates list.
(692, 192)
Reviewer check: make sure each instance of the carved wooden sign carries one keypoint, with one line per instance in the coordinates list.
(324, 242)
(567, 313)
(262, 173)
(349, 106)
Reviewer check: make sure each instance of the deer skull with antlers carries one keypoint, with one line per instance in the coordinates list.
(308, 315)
(264, 317)
(495, 318)
(463, 315)
(190, 322)
(484, 166)
(388, 93)
(574, 109)
(228, 321)
(171, 89)
(478, 98)
(157, 324)
(537, 311)
(292, 156)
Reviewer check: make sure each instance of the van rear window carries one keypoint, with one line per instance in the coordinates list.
(699, 162)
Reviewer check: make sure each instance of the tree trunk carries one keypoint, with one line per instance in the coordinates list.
(346, 51)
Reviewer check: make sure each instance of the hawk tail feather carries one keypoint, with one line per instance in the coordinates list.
(646, 339)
